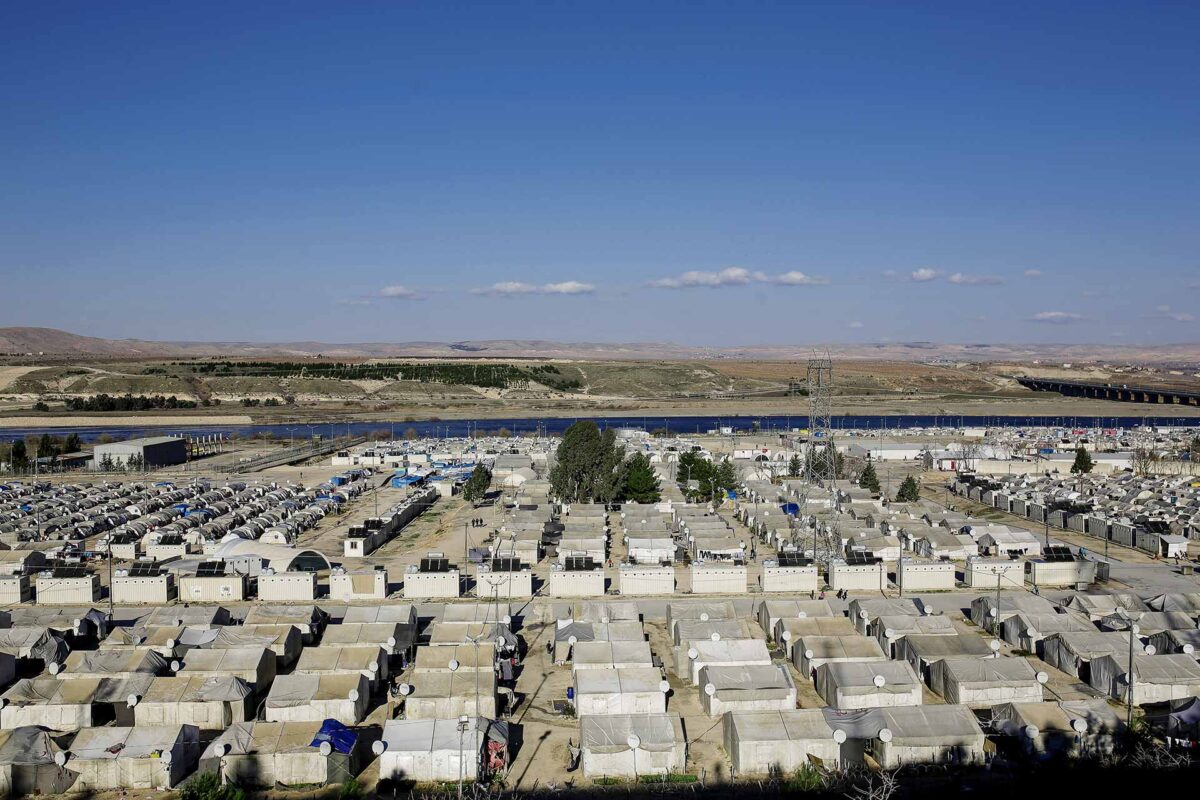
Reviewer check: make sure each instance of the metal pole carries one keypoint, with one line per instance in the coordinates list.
(996, 627)
(1133, 629)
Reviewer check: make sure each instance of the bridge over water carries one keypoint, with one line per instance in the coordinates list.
(1119, 392)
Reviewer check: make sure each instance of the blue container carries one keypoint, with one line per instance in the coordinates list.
(571, 693)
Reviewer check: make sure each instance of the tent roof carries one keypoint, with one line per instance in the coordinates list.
(610, 733)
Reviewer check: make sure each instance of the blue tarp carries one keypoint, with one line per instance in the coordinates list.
(732, 494)
(400, 481)
(341, 738)
(792, 509)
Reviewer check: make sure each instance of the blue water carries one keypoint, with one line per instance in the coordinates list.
(528, 425)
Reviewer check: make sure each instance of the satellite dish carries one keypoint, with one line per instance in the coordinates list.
(889, 633)
(808, 653)
(716, 637)
(1134, 629)
(633, 741)
(1033, 633)
(995, 645)
(378, 747)
(500, 642)
(373, 666)
(172, 644)
(839, 736)
(709, 689)
(405, 689)
(326, 748)
(885, 735)
(60, 758)
(222, 749)
(353, 694)
(664, 686)
(572, 640)
(993, 612)
(786, 636)
(132, 700)
(55, 668)
(165, 756)
(1151, 649)
(1031, 731)
(3, 702)
(453, 665)
(507, 619)
(704, 616)
(391, 642)
(176, 666)
(1042, 677)
(862, 614)
(1079, 725)
(692, 652)
(1189, 649)
(879, 681)
(802, 615)
(604, 619)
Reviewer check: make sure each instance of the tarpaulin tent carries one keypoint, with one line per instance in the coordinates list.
(864, 612)
(27, 765)
(35, 643)
(810, 652)
(1026, 631)
(855, 685)
(286, 753)
(450, 695)
(628, 745)
(340, 738)
(437, 749)
(779, 742)
(1072, 727)
(746, 688)
(789, 631)
(1098, 606)
(341, 696)
(771, 611)
(141, 757)
(1156, 679)
(922, 651)
(370, 661)
(725, 653)
(113, 664)
(1072, 652)
(985, 682)
(926, 734)
(209, 703)
(611, 655)
(629, 690)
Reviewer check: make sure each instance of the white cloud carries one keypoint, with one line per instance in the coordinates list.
(796, 278)
(923, 275)
(1033, 273)
(734, 276)
(354, 301)
(1165, 312)
(398, 292)
(963, 279)
(856, 324)
(509, 288)
(1057, 317)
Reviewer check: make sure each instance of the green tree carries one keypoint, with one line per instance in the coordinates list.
(641, 484)
(20, 455)
(588, 465)
(795, 466)
(868, 479)
(1083, 462)
(909, 492)
(72, 444)
(475, 489)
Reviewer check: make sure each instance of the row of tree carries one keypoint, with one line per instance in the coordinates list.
(701, 477)
(128, 402)
(590, 466)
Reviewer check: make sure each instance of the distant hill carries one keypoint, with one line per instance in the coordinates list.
(54, 342)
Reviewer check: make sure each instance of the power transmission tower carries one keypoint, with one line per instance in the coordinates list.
(821, 463)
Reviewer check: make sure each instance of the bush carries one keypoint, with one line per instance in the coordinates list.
(207, 786)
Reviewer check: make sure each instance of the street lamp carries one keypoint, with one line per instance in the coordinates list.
(462, 729)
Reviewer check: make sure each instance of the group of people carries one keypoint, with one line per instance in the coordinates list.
(478, 522)
(842, 594)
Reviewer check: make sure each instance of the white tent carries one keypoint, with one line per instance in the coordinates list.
(450, 695)
(789, 631)
(340, 696)
(141, 757)
(1188, 602)
(270, 753)
(926, 735)
(391, 636)
(691, 630)
(922, 651)
(611, 655)
(699, 610)
(853, 685)
(771, 611)
(608, 611)
(725, 653)
(810, 652)
(254, 665)
(111, 664)
(209, 703)
(435, 749)
(50, 703)
(985, 682)
(1173, 641)
(779, 742)
(370, 661)
(404, 613)
(889, 630)
(865, 611)
(1026, 631)
(1156, 679)
(1098, 606)
(1073, 727)
(982, 608)
(746, 688)
(628, 745)
(631, 690)
(309, 620)
(1149, 622)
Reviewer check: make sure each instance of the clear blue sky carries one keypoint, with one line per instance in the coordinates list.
(698, 172)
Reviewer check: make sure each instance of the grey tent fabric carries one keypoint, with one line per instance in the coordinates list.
(610, 734)
(34, 642)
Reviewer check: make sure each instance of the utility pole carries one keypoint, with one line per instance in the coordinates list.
(1133, 631)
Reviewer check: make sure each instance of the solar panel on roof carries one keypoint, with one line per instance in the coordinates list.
(861, 557)
(793, 560)
(1057, 553)
(435, 565)
(579, 563)
(74, 571)
(144, 569)
(506, 565)
(210, 569)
